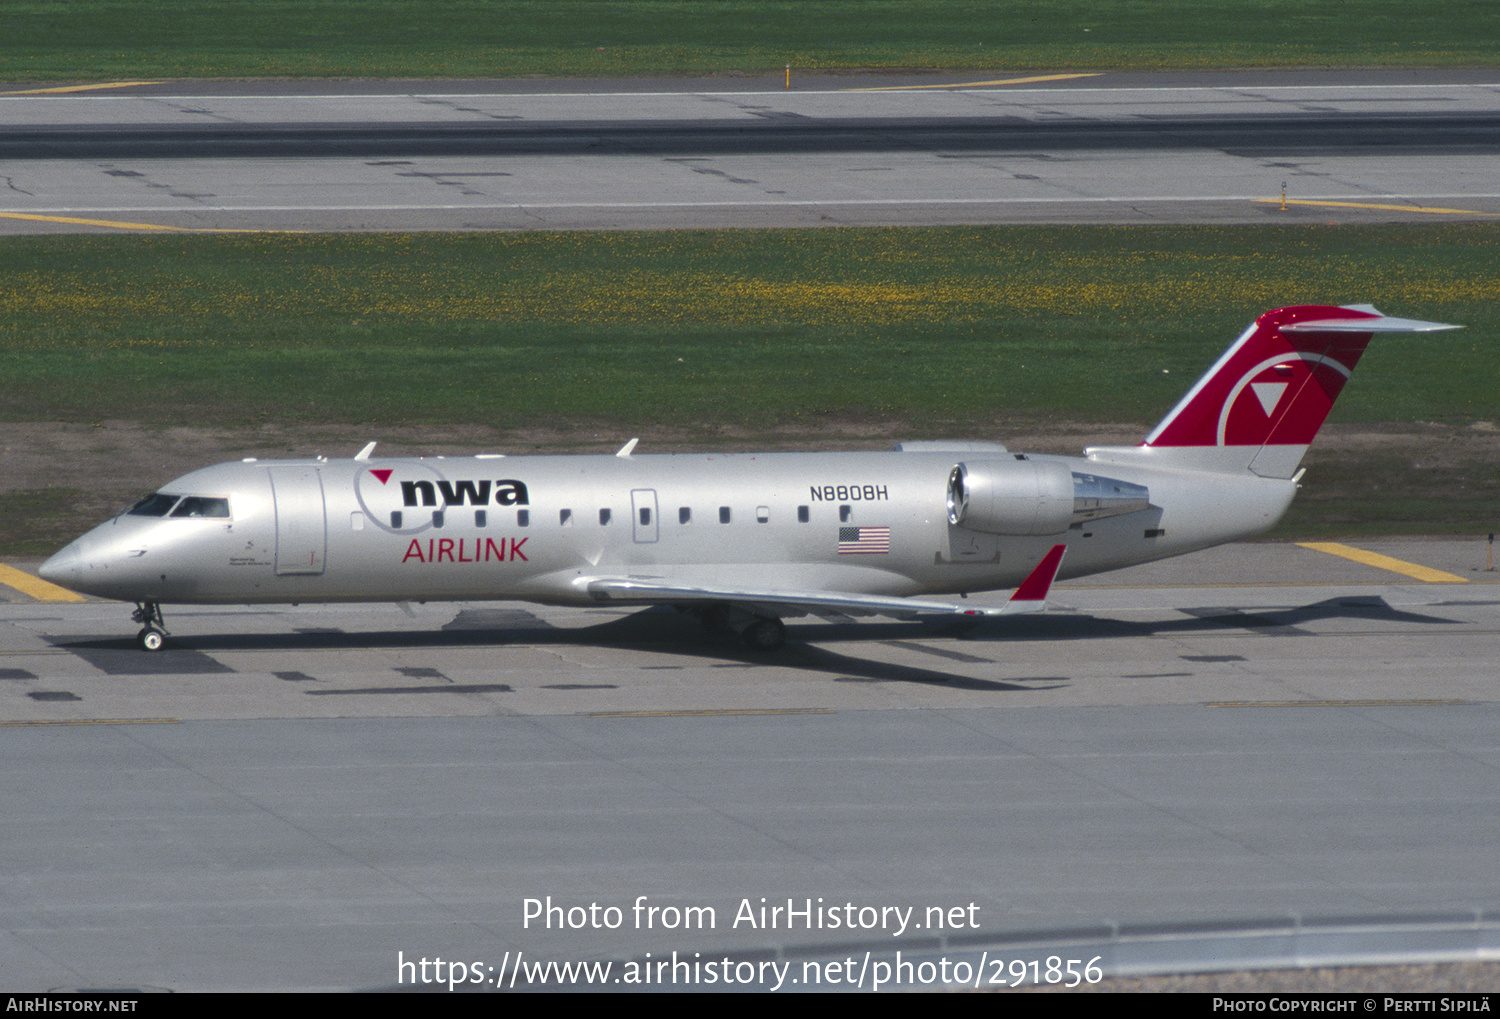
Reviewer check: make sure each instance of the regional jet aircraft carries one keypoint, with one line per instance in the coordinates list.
(743, 540)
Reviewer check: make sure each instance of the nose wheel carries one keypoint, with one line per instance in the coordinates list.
(154, 629)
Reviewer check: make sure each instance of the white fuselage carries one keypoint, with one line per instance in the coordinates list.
(542, 528)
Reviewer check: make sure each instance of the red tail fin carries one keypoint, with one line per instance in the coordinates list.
(1261, 405)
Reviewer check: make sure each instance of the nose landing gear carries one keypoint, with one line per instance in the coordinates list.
(154, 628)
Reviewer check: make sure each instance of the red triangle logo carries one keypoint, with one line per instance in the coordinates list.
(384, 474)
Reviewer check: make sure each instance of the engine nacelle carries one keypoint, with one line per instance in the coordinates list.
(1011, 496)
(1035, 497)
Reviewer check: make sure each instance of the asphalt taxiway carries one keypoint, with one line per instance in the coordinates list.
(1206, 148)
(306, 797)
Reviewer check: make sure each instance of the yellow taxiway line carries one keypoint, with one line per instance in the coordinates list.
(976, 84)
(1375, 205)
(95, 721)
(35, 586)
(93, 222)
(1336, 704)
(58, 90)
(1426, 574)
(122, 225)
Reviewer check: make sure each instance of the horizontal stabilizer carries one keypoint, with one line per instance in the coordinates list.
(1382, 324)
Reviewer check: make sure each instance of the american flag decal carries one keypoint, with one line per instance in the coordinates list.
(864, 540)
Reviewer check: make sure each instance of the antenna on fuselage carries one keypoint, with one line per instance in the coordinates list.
(364, 454)
(624, 453)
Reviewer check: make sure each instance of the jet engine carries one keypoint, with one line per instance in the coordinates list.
(1034, 497)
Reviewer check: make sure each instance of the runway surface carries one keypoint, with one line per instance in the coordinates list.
(869, 151)
(1163, 767)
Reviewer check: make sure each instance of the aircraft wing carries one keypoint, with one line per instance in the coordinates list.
(1031, 596)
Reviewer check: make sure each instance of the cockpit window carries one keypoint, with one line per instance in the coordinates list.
(201, 506)
(154, 505)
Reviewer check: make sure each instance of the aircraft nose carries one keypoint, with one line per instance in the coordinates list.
(90, 565)
(63, 569)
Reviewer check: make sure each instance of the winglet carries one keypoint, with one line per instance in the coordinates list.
(1031, 596)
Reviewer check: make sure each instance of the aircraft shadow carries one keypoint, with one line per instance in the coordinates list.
(810, 646)
(1288, 621)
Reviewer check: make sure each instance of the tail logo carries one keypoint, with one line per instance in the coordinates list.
(1269, 395)
(1314, 380)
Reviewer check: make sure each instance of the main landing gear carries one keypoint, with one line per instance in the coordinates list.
(765, 634)
(760, 633)
(154, 628)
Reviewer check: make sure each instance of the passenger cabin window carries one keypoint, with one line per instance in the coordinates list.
(523, 518)
(684, 515)
(154, 505)
(199, 506)
(723, 514)
(565, 517)
(802, 515)
(396, 520)
(645, 516)
(481, 518)
(604, 518)
(437, 518)
(845, 512)
(762, 514)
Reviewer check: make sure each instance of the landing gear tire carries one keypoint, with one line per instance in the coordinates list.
(154, 633)
(765, 635)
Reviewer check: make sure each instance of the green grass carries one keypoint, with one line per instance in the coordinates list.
(951, 329)
(39, 521)
(50, 40)
(1370, 495)
(958, 332)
